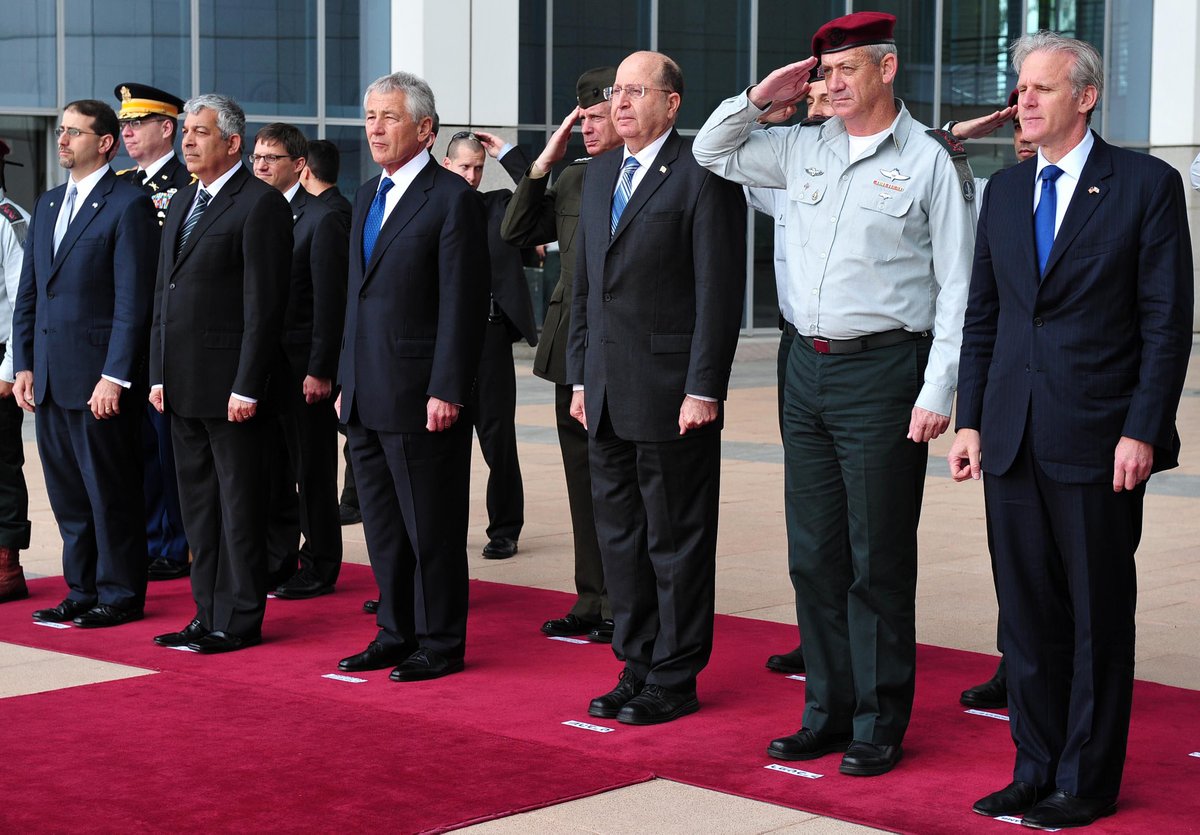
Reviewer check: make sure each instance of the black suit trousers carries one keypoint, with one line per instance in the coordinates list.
(656, 506)
(1067, 583)
(592, 602)
(493, 412)
(414, 490)
(93, 471)
(223, 484)
(14, 495)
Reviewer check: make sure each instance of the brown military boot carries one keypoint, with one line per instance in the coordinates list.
(12, 578)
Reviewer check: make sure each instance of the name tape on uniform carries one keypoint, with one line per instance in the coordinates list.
(349, 679)
(600, 729)
(987, 713)
(795, 772)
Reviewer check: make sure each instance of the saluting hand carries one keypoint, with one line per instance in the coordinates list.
(984, 125)
(556, 148)
(784, 86)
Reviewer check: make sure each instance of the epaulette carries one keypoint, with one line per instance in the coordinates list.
(581, 160)
(9, 212)
(125, 171)
(193, 180)
(958, 155)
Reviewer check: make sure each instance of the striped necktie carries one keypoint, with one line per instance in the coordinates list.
(624, 191)
(202, 198)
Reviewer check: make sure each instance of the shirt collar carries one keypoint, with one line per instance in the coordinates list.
(84, 187)
(648, 154)
(833, 128)
(1071, 164)
(216, 185)
(403, 176)
(291, 192)
(156, 166)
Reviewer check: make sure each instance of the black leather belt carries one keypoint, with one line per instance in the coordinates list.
(862, 343)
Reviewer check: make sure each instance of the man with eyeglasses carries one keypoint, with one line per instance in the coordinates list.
(148, 127)
(307, 449)
(217, 365)
(879, 231)
(79, 338)
(659, 288)
(538, 215)
(492, 408)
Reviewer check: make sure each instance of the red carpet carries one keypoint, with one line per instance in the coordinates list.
(302, 751)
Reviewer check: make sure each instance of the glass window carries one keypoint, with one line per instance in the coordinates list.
(1126, 99)
(144, 41)
(711, 43)
(357, 51)
(26, 136)
(764, 300)
(916, 43)
(531, 73)
(590, 35)
(786, 28)
(976, 74)
(263, 53)
(28, 73)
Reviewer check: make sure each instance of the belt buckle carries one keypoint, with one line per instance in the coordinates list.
(821, 346)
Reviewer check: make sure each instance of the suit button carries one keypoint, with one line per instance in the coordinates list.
(172, 285)
(49, 295)
(362, 295)
(608, 297)
(1037, 321)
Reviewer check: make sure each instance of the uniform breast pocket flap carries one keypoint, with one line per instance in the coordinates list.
(891, 205)
(805, 190)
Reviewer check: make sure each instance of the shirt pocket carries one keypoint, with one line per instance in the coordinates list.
(805, 196)
(879, 226)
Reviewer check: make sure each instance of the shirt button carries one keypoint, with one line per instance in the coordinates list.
(833, 219)
(814, 291)
(823, 254)
(608, 297)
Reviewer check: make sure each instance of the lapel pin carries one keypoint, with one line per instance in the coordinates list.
(662, 169)
(1094, 190)
(95, 205)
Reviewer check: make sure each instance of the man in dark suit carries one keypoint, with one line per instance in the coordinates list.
(320, 175)
(655, 318)
(538, 215)
(82, 316)
(216, 344)
(493, 405)
(1075, 346)
(312, 338)
(415, 313)
(148, 126)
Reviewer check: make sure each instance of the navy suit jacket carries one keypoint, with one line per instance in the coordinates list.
(86, 311)
(415, 314)
(656, 309)
(1098, 348)
(316, 308)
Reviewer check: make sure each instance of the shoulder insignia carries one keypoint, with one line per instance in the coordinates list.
(125, 171)
(9, 212)
(958, 155)
(193, 179)
(581, 160)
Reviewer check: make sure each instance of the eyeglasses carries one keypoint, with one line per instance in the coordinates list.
(634, 91)
(269, 159)
(464, 134)
(74, 133)
(136, 124)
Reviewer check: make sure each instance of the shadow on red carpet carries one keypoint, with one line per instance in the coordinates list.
(300, 750)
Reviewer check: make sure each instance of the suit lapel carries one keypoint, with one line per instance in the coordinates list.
(411, 201)
(655, 176)
(87, 212)
(1026, 240)
(214, 210)
(174, 222)
(298, 203)
(1090, 192)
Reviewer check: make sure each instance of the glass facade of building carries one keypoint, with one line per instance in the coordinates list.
(308, 61)
(299, 61)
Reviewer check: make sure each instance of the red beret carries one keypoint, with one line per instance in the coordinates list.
(853, 30)
(1012, 98)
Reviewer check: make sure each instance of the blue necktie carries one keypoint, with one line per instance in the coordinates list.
(624, 190)
(202, 198)
(374, 221)
(1043, 218)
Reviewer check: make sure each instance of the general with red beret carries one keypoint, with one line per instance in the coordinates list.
(854, 30)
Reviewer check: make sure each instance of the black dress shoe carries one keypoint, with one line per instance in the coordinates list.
(302, 586)
(500, 548)
(349, 514)
(1061, 810)
(215, 642)
(425, 664)
(162, 568)
(1016, 798)
(603, 633)
(866, 759)
(193, 631)
(566, 626)
(375, 657)
(105, 615)
(656, 704)
(791, 663)
(807, 744)
(990, 695)
(371, 606)
(610, 704)
(66, 611)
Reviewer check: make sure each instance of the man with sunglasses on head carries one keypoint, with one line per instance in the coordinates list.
(492, 407)
(148, 128)
(79, 337)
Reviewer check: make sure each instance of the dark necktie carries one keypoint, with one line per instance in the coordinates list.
(624, 190)
(374, 221)
(202, 198)
(1043, 218)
